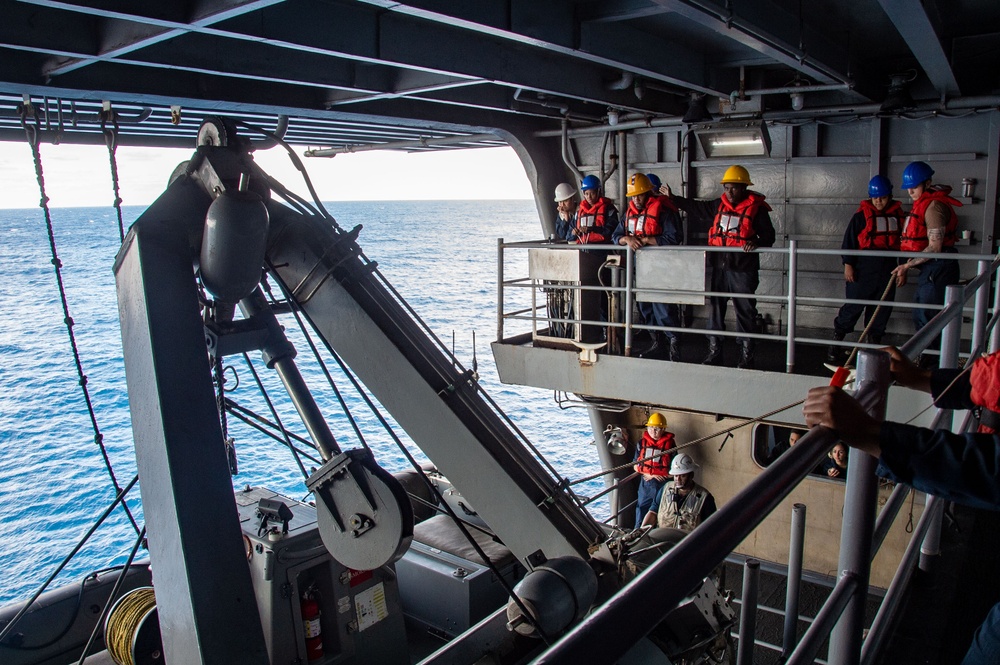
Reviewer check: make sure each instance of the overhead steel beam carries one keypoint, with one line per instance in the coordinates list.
(123, 37)
(917, 30)
(619, 10)
(817, 57)
(550, 26)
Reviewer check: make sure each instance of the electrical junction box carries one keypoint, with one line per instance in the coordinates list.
(657, 269)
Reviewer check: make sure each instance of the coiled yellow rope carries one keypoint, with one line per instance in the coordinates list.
(124, 621)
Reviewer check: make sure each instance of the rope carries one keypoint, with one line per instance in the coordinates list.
(33, 136)
(871, 321)
(111, 139)
(124, 622)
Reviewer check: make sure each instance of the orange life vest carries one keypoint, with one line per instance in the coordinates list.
(914, 237)
(985, 380)
(733, 225)
(592, 217)
(646, 222)
(881, 226)
(646, 459)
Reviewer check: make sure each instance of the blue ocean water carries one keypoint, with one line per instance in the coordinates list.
(441, 256)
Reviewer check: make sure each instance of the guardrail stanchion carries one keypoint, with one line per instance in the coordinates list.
(796, 545)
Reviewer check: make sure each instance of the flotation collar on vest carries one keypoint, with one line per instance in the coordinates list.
(646, 222)
(589, 217)
(985, 380)
(914, 236)
(882, 227)
(733, 225)
(649, 460)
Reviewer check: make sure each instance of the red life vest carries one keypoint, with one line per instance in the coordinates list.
(592, 217)
(648, 447)
(646, 222)
(733, 225)
(985, 380)
(881, 226)
(914, 237)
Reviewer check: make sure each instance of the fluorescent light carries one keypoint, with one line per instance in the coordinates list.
(740, 139)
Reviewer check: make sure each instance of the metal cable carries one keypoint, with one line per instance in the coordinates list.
(111, 139)
(32, 134)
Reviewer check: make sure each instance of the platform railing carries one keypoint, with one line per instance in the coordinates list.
(790, 332)
(647, 600)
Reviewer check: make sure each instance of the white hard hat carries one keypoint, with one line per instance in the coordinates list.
(564, 191)
(682, 464)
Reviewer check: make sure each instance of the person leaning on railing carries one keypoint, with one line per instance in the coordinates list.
(964, 468)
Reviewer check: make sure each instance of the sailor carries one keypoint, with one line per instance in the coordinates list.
(652, 464)
(964, 468)
(596, 216)
(685, 504)
(651, 220)
(930, 226)
(565, 198)
(875, 225)
(739, 218)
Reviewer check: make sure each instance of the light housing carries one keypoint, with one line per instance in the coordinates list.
(734, 139)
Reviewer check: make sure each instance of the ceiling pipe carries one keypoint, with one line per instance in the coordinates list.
(422, 142)
(622, 83)
(787, 90)
(984, 103)
(567, 158)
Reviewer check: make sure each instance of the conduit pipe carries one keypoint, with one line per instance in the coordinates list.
(567, 158)
(422, 142)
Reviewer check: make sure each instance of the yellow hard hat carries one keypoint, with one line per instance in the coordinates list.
(736, 174)
(656, 419)
(638, 184)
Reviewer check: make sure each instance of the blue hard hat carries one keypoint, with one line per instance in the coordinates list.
(654, 180)
(590, 182)
(916, 173)
(879, 186)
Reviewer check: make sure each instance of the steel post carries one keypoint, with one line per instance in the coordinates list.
(841, 595)
(888, 514)
(629, 277)
(748, 612)
(796, 545)
(500, 290)
(981, 315)
(859, 517)
(792, 293)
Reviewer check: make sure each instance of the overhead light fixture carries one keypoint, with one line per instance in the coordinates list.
(734, 139)
(697, 110)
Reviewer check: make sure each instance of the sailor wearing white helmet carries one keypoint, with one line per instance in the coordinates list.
(565, 200)
(685, 504)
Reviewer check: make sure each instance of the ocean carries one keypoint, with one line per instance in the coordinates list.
(440, 255)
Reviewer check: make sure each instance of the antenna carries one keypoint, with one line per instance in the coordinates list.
(475, 363)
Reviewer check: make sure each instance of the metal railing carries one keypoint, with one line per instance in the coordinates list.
(662, 586)
(789, 330)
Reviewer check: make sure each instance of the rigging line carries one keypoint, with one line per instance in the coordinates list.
(274, 414)
(113, 596)
(247, 416)
(299, 166)
(32, 135)
(417, 468)
(100, 520)
(315, 351)
(871, 321)
(111, 139)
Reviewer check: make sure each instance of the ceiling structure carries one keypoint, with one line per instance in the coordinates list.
(343, 73)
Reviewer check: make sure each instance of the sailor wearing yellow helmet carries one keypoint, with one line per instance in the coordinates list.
(739, 218)
(651, 220)
(652, 464)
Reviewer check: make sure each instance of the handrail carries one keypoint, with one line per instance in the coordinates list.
(662, 586)
(792, 300)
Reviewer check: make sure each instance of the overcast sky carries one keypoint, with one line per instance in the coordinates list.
(81, 175)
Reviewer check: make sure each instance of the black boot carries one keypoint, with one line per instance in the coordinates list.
(657, 349)
(714, 356)
(834, 354)
(746, 355)
(674, 352)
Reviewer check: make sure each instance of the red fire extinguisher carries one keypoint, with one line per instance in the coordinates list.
(310, 620)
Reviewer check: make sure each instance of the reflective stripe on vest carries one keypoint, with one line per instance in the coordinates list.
(733, 225)
(914, 236)
(881, 228)
(645, 223)
(690, 512)
(650, 448)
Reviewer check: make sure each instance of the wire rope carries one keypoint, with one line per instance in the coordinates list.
(125, 621)
(111, 139)
(274, 414)
(33, 136)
